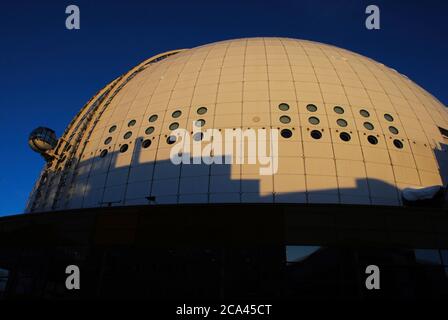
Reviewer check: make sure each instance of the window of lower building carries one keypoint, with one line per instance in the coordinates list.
(4, 276)
(299, 253)
(427, 256)
(444, 254)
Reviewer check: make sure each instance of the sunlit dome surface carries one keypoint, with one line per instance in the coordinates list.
(358, 131)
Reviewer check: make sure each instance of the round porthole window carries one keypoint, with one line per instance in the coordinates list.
(146, 143)
(108, 140)
(316, 134)
(174, 126)
(127, 135)
(393, 130)
(372, 139)
(199, 123)
(103, 153)
(202, 110)
(198, 136)
(345, 136)
(313, 120)
(341, 122)
(149, 130)
(338, 110)
(176, 114)
(283, 106)
(398, 144)
(388, 117)
(112, 129)
(368, 126)
(132, 123)
(171, 139)
(364, 113)
(286, 133)
(311, 108)
(285, 119)
(124, 148)
(153, 118)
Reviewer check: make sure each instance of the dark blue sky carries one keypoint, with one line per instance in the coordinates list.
(49, 72)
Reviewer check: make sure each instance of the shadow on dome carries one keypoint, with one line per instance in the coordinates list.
(134, 177)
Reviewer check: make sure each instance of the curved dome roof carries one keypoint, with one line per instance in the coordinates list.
(356, 130)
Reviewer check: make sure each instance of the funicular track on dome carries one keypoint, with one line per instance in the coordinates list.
(68, 145)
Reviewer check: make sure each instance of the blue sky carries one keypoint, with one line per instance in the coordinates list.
(49, 72)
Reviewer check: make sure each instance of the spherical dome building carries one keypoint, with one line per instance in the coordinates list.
(352, 131)
(249, 168)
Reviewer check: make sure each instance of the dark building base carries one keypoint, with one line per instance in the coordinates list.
(226, 252)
